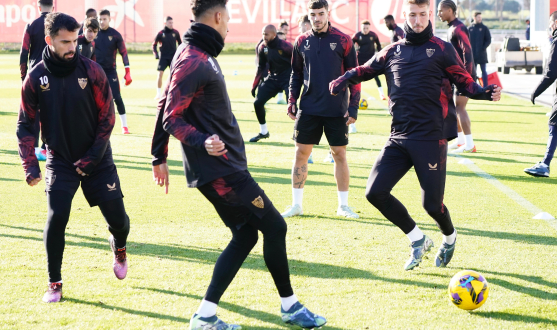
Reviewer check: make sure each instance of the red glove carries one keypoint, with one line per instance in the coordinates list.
(128, 77)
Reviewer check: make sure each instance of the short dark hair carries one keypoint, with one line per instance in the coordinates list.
(318, 4)
(448, 4)
(417, 2)
(104, 12)
(283, 23)
(92, 23)
(303, 19)
(281, 33)
(55, 22)
(46, 3)
(477, 13)
(553, 16)
(389, 18)
(365, 22)
(200, 7)
(168, 18)
(90, 11)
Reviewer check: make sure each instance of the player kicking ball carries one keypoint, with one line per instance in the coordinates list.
(550, 75)
(77, 119)
(424, 119)
(215, 160)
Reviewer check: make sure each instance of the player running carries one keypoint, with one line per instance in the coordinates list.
(424, 118)
(398, 33)
(77, 119)
(274, 55)
(167, 38)
(550, 75)
(320, 55)
(86, 41)
(195, 109)
(107, 43)
(459, 37)
(32, 48)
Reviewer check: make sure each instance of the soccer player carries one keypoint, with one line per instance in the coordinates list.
(167, 38)
(77, 119)
(366, 41)
(424, 118)
(32, 48)
(107, 43)
(86, 41)
(304, 24)
(274, 54)
(458, 36)
(282, 34)
(549, 77)
(320, 55)
(398, 33)
(90, 13)
(195, 109)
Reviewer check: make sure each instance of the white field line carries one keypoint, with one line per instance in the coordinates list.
(509, 192)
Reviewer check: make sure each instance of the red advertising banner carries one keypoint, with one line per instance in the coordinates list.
(140, 20)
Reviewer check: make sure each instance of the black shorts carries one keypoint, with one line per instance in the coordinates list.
(237, 198)
(100, 186)
(114, 83)
(163, 64)
(308, 129)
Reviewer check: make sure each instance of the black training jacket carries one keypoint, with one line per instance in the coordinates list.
(317, 59)
(275, 58)
(86, 48)
(167, 39)
(366, 44)
(195, 106)
(32, 45)
(420, 79)
(76, 114)
(107, 43)
(549, 77)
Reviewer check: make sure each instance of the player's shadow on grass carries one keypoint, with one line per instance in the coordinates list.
(248, 312)
(493, 159)
(8, 113)
(99, 304)
(523, 319)
(195, 254)
(491, 111)
(520, 238)
(496, 279)
(511, 142)
(9, 152)
(520, 177)
(12, 180)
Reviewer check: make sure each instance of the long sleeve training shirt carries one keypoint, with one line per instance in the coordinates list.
(317, 59)
(459, 37)
(107, 43)
(275, 58)
(32, 45)
(167, 39)
(420, 79)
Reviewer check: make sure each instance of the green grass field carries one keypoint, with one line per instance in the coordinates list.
(350, 271)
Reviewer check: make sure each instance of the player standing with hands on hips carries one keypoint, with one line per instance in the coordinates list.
(424, 119)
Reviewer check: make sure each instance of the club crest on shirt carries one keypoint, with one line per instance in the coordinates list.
(110, 38)
(430, 52)
(173, 35)
(82, 82)
(333, 45)
(163, 35)
(307, 45)
(360, 37)
(266, 50)
(258, 202)
(91, 49)
(213, 64)
(80, 47)
(280, 52)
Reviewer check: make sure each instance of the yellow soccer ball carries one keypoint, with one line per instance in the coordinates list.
(468, 290)
(363, 104)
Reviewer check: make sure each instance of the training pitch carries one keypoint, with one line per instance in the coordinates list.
(350, 271)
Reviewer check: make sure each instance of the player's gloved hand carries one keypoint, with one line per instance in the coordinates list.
(292, 110)
(253, 91)
(128, 77)
(337, 85)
